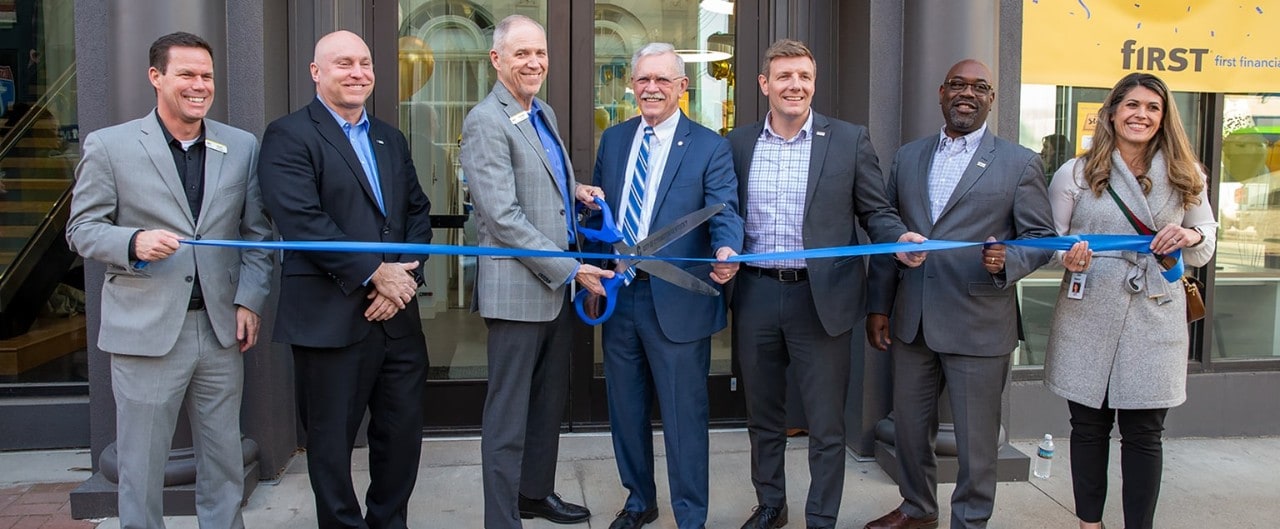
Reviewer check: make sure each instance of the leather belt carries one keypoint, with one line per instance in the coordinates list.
(785, 275)
(195, 304)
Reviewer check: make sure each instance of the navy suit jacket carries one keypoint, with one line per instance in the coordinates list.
(698, 173)
(315, 190)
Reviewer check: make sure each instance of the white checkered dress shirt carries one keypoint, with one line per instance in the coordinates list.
(775, 194)
(949, 162)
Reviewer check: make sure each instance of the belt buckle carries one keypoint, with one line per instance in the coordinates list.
(788, 275)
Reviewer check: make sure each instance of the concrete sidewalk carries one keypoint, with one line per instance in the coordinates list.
(1207, 483)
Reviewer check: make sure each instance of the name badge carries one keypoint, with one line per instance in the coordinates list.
(1076, 289)
(521, 117)
(215, 146)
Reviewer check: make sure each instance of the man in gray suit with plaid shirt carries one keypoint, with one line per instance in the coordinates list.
(523, 189)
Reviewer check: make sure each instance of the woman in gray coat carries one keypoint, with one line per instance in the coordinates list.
(1118, 345)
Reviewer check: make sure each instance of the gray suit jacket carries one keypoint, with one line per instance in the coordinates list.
(518, 205)
(126, 181)
(845, 186)
(962, 308)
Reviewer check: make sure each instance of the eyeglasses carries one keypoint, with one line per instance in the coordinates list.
(660, 81)
(979, 88)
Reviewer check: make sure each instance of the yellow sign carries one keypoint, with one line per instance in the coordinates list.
(1194, 45)
(1086, 125)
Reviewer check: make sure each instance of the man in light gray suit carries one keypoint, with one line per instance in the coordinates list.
(954, 317)
(523, 189)
(175, 318)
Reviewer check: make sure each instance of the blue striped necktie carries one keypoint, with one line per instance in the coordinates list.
(635, 200)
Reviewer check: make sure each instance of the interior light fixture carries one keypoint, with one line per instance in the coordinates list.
(723, 7)
(698, 56)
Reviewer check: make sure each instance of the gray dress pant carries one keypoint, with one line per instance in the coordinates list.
(974, 384)
(776, 325)
(149, 391)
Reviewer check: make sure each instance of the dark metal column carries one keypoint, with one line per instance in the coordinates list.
(936, 35)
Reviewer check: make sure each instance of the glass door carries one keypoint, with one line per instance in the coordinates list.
(442, 70)
(703, 34)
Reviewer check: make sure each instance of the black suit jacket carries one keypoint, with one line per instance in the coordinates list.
(315, 190)
(845, 184)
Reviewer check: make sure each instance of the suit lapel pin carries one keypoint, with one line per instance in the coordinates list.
(680, 143)
(380, 142)
(215, 146)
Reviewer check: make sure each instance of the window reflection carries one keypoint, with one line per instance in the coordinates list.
(703, 39)
(1246, 301)
(42, 324)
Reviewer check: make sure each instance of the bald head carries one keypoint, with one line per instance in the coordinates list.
(339, 42)
(969, 65)
(966, 96)
(343, 73)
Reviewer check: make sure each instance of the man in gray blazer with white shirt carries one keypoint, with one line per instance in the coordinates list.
(175, 318)
(951, 320)
(523, 190)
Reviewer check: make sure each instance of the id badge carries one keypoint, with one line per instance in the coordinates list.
(1076, 289)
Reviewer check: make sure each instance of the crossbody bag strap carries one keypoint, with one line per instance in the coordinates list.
(1137, 224)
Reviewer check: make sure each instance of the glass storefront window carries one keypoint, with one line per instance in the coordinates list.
(1247, 290)
(1056, 121)
(42, 341)
(703, 37)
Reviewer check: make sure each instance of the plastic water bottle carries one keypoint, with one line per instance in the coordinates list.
(1044, 458)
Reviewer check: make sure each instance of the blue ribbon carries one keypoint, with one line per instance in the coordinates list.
(1097, 243)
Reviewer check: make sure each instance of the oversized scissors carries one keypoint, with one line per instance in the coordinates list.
(610, 233)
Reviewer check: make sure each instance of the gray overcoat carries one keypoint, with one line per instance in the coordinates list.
(1127, 347)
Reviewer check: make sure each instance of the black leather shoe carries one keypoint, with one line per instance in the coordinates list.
(553, 509)
(766, 517)
(634, 519)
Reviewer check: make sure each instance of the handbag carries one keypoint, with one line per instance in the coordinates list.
(1195, 302)
(1193, 286)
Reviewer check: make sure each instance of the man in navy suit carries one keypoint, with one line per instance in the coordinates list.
(654, 169)
(329, 172)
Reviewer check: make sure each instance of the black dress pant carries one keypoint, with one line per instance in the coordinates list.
(385, 376)
(1141, 461)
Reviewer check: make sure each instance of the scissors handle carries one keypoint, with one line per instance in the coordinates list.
(611, 287)
(609, 232)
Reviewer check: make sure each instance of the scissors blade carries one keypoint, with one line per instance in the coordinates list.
(658, 240)
(677, 276)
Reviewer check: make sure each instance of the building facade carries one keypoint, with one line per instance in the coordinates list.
(880, 63)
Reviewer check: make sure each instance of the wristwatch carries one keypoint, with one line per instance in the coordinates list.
(1199, 242)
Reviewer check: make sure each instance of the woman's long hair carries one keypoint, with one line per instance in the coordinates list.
(1184, 168)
